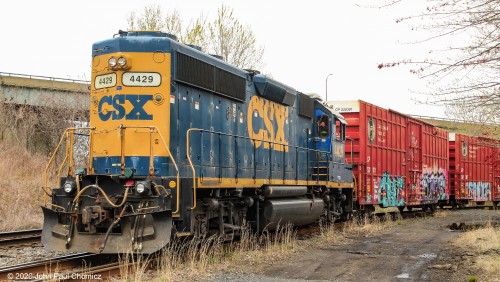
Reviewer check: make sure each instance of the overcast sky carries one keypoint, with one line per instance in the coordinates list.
(304, 41)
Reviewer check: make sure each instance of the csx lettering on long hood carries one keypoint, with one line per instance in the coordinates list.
(118, 111)
(272, 114)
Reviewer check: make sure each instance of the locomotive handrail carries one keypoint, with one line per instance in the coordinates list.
(151, 166)
(191, 165)
(188, 134)
(46, 174)
(68, 135)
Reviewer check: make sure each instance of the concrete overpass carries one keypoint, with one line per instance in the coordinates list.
(44, 91)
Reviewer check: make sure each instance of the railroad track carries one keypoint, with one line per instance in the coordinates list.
(22, 237)
(79, 266)
(73, 267)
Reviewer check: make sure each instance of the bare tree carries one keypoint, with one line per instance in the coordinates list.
(224, 36)
(151, 19)
(233, 41)
(173, 22)
(197, 33)
(466, 74)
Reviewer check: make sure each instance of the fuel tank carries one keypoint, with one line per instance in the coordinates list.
(297, 211)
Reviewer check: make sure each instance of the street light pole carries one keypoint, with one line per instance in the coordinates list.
(326, 87)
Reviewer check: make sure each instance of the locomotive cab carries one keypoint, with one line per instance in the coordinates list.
(328, 139)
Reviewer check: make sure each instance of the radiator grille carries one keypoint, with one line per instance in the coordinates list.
(209, 77)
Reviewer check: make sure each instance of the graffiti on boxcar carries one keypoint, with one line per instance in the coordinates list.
(381, 133)
(479, 191)
(433, 184)
(390, 190)
(413, 140)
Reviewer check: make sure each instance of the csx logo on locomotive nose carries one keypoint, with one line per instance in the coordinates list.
(118, 101)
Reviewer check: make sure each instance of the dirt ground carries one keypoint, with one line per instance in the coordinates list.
(412, 250)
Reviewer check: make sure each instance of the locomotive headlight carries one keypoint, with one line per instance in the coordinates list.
(69, 187)
(112, 62)
(122, 61)
(142, 187)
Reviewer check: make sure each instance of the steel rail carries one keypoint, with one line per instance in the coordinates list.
(8, 239)
(38, 268)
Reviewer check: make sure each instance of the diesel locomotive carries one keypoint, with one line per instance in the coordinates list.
(181, 143)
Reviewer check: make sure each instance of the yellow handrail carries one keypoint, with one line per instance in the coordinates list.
(46, 174)
(151, 130)
(191, 165)
(151, 161)
(91, 155)
(176, 169)
(68, 135)
(122, 149)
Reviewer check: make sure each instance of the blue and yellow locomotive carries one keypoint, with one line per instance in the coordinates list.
(183, 144)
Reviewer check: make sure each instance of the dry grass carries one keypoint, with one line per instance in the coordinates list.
(363, 227)
(20, 182)
(27, 136)
(441, 213)
(266, 249)
(358, 227)
(480, 240)
(484, 243)
(194, 260)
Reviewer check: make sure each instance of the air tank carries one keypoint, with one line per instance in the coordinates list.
(284, 191)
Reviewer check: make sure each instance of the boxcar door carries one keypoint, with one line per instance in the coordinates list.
(495, 197)
(414, 164)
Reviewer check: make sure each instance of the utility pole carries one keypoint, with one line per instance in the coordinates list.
(326, 88)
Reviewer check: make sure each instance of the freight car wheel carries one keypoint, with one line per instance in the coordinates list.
(409, 208)
(369, 210)
(401, 208)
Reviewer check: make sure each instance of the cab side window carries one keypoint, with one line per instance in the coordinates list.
(339, 130)
(323, 126)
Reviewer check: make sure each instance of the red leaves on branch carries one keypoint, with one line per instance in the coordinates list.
(389, 65)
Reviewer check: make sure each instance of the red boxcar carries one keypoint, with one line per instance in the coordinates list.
(398, 160)
(474, 169)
